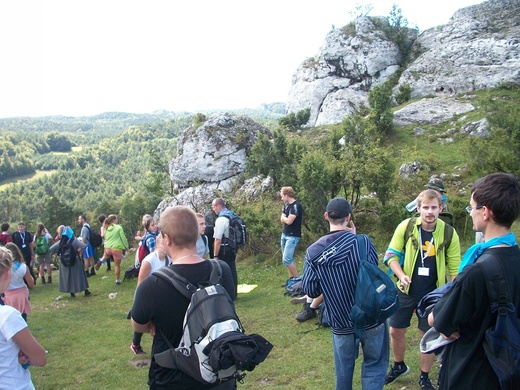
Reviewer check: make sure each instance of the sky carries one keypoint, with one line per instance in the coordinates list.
(82, 58)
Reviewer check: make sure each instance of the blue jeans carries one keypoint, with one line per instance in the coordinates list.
(288, 244)
(375, 346)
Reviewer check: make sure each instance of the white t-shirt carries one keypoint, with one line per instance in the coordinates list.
(154, 261)
(202, 246)
(18, 270)
(12, 374)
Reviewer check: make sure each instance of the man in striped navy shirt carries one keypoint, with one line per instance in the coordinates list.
(335, 277)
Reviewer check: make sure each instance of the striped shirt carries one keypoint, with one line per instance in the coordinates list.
(335, 276)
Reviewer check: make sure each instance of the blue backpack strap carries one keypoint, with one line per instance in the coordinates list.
(362, 247)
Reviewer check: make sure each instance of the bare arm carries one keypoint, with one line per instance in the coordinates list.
(144, 328)
(288, 220)
(216, 247)
(30, 347)
(28, 278)
(144, 271)
(404, 279)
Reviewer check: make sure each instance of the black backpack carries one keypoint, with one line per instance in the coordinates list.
(214, 346)
(237, 231)
(95, 238)
(502, 340)
(66, 251)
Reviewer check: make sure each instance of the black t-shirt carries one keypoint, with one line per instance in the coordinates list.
(465, 307)
(424, 277)
(158, 301)
(295, 228)
(24, 242)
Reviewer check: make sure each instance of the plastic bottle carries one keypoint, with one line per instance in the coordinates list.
(412, 206)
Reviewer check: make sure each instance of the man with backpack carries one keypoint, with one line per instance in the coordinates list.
(336, 278)
(421, 261)
(222, 249)
(179, 231)
(465, 313)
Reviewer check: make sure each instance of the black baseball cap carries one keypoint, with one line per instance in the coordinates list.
(338, 208)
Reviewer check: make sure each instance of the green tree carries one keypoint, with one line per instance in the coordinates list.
(380, 101)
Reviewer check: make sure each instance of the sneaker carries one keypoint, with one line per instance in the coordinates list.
(118, 281)
(425, 383)
(393, 374)
(137, 349)
(306, 314)
(295, 301)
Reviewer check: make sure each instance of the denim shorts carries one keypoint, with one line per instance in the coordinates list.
(288, 244)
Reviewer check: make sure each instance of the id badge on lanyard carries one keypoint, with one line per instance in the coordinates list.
(424, 271)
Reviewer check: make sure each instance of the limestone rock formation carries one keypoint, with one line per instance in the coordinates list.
(478, 48)
(214, 151)
(336, 82)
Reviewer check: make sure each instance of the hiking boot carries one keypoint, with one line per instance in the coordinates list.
(394, 373)
(295, 301)
(137, 349)
(73, 295)
(87, 273)
(425, 383)
(87, 292)
(49, 280)
(92, 272)
(306, 314)
(43, 280)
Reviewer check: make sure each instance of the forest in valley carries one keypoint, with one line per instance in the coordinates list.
(50, 176)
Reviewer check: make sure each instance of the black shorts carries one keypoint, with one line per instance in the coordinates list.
(401, 318)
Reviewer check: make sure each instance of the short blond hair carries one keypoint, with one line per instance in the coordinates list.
(429, 194)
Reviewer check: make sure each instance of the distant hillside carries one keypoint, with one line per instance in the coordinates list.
(110, 123)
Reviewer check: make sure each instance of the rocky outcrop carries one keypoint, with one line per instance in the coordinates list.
(215, 150)
(336, 82)
(479, 48)
(199, 198)
(431, 111)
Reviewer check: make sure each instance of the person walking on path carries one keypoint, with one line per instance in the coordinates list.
(115, 244)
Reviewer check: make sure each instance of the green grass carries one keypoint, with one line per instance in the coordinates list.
(88, 338)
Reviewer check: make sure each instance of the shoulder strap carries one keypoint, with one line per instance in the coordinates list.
(408, 234)
(176, 280)
(496, 283)
(362, 247)
(206, 240)
(448, 235)
(183, 285)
